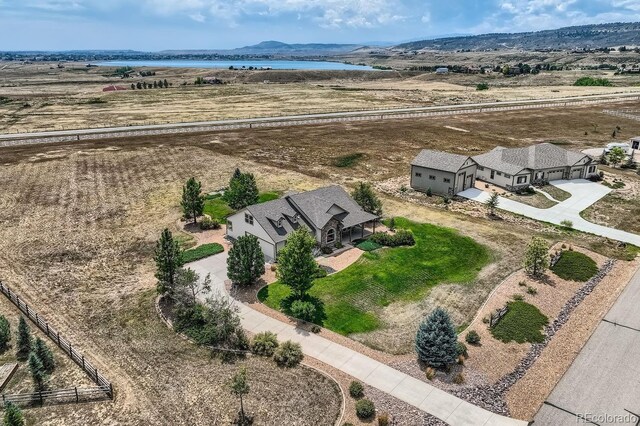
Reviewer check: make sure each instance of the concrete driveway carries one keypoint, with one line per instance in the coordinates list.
(584, 193)
(604, 380)
(454, 411)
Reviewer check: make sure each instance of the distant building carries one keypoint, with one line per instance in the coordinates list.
(442, 70)
(113, 88)
(212, 80)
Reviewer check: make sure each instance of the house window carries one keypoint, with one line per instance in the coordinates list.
(446, 180)
(229, 225)
(522, 179)
(499, 173)
(248, 218)
(592, 169)
(507, 176)
(331, 235)
(481, 168)
(432, 177)
(418, 174)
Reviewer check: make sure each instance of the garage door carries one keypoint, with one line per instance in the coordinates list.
(555, 175)
(267, 249)
(576, 173)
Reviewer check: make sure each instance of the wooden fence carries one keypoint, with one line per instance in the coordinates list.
(104, 385)
(497, 316)
(59, 395)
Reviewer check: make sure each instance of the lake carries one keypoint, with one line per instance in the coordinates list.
(276, 65)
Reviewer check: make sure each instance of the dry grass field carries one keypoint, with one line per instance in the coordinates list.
(36, 97)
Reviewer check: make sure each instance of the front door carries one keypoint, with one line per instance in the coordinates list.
(493, 174)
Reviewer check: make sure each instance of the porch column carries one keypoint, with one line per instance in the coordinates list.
(351, 234)
(374, 226)
(362, 227)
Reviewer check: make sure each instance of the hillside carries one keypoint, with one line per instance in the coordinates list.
(277, 47)
(578, 37)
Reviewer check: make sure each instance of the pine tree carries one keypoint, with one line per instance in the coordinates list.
(436, 340)
(192, 199)
(296, 265)
(492, 203)
(24, 339)
(168, 257)
(240, 387)
(5, 333)
(367, 199)
(166, 83)
(133, 86)
(13, 415)
(245, 263)
(45, 355)
(537, 257)
(242, 191)
(38, 373)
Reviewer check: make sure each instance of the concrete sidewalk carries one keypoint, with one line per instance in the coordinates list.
(424, 396)
(583, 194)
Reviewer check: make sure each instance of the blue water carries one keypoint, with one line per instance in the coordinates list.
(276, 65)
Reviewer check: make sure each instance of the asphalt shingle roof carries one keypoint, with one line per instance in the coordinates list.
(534, 157)
(439, 160)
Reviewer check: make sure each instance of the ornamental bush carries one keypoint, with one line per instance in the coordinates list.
(356, 389)
(264, 344)
(365, 409)
(288, 354)
(402, 237)
(472, 337)
(303, 310)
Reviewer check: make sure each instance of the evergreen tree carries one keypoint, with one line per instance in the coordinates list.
(155, 84)
(296, 265)
(492, 203)
(367, 199)
(166, 83)
(242, 191)
(38, 373)
(133, 86)
(537, 257)
(45, 355)
(13, 415)
(5, 333)
(139, 85)
(168, 257)
(192, 199)
(24, 339)
(436, 340)
(245, 263)
(240, 387)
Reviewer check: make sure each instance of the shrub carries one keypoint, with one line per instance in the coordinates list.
(522, 283)
(201, 252)
(316, 329)
(575, 266)
(365, 409)
(264, 344)
(402, 237)
(321, 272)
(567, 223)
(289, 354)
(430, 373)
(392, 224)
(383, 419)
(482, 86)
(518, 297)
(532, 290)
(472, 337)
(429, 192)
(522, 323)
(326, 249)
(356, 389)
(458, 379)
(591, 81)
(303, 310)
(208, 223)
(461, 349)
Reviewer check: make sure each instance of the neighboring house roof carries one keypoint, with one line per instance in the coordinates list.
(439, 160)
(313, 209)
(535, 157)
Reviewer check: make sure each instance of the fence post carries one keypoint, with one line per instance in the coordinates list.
(58, 339)
(41, 399)
(76, 388)
(47, 324)
(97, 376)
(83, 363)
(110, 390)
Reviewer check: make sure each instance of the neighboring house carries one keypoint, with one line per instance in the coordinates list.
(442, 70)
(509, 168)
(329, 213)
(442, 172)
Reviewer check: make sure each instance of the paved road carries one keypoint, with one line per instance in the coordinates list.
(16, 139)
(584, 193)
(604, 380)
(430, 399)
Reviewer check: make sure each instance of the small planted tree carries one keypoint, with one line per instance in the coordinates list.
(24, 340)
(616, 155)
(45, 355)
(367, 199)
(188, 286)
(296, 265)
(240, 387)
(245, 263)
(168, 257)
(38, 372)
(536, 259)
(5, 333)
(192, 200)
(492, 203)
(436, 340)
(242, 191)
(13, 415)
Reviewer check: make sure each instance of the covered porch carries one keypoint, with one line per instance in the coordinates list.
(361, 231)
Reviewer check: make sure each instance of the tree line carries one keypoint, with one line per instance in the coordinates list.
(160, 84)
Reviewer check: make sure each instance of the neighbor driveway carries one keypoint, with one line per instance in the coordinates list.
(452, 410)
(584, 193)
(604, 380)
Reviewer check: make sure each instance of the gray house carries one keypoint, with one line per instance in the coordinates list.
(329, 213)
(509, 168)
(442, 172)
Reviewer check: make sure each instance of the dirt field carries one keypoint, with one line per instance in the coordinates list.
(43, 97)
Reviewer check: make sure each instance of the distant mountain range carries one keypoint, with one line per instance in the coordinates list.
(276, 48)
(584, 36)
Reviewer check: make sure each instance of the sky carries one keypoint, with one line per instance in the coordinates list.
(153, 25)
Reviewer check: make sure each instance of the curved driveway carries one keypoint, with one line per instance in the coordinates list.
(424, 396)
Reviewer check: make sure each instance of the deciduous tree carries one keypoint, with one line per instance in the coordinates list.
(245, 263)
(188, 286)
(537, 257)
(616, 155)
(240, 387)
(192, 199)
(296, 264)
(436, 340)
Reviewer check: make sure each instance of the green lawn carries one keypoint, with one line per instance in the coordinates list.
(522, 323)
(350, 301)
(575, 266)
(201, 252)
(218, 209)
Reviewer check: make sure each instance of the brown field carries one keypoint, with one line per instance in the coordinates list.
(43, 97)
